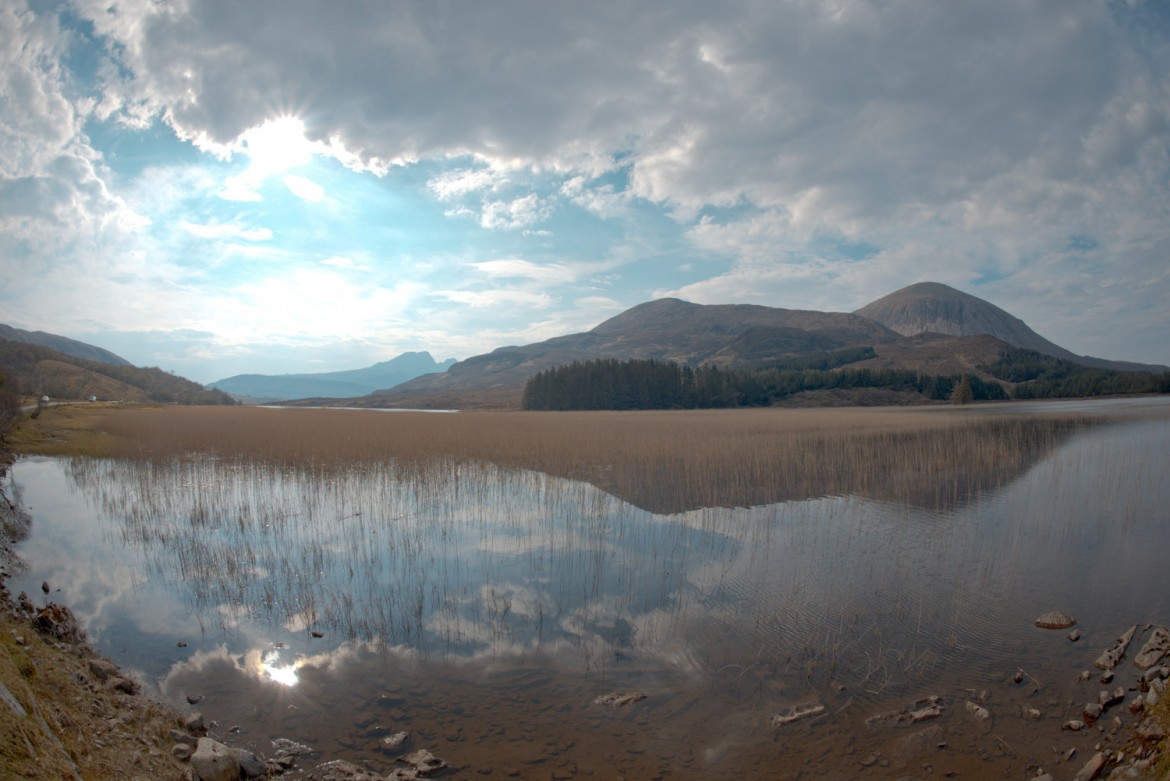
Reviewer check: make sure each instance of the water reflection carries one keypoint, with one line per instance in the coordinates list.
(352, 599)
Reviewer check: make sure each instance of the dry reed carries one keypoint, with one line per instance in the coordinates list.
(660, 461)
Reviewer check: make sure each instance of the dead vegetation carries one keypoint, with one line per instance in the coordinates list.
(660, 461)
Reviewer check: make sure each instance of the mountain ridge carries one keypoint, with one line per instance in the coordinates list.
(347, 383)
(61, 344)
(932, 307)
(731, 335)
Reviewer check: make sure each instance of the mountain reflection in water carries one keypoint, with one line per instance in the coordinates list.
(484, 607)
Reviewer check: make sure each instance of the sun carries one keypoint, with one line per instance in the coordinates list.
(276, 146)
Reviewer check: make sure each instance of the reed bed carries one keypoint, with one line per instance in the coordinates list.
(664, 462)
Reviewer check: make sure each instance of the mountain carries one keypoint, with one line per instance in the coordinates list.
(61, 344)
(35, 370)
(931, 307)
(666, 329)
(331, 385)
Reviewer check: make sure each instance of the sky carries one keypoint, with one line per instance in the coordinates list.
(283, 186)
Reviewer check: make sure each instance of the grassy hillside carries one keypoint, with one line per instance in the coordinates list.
(35, 371)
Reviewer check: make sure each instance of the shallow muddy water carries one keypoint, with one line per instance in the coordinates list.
(484, 610)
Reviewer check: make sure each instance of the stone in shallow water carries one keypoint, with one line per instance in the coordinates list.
(1055, 620)
(618, 699)
(798, 713)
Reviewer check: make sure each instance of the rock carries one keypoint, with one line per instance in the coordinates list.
(920, 710)
(124, 685)
(103, 669)
(213, 761)
(618, 699)
(1073, 725)
(181, 750)
(1155, 648)
(1032, 713)
(423, 761)
(1136, 704)
(1055, 620)
(1152, 697)
(1108, 699)
(1111, 656)
(978, 711)
(195, 724)
(1151, 730)
(250, 764)
(1092, 768)
(1074, 635)
(1084, 676)
(58, 621)
(394, 741)
(194, 699)
(1092, 712)
(340, 770)
(1106, 677)
(798, 713)
(317, 634)
(283, 747)
(183, 737)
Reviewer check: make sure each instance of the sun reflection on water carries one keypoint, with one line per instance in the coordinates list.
(271, 667)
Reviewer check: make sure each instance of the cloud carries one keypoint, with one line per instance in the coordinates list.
(525, 269)
(518, 213)
(458, 183)
(305, 189)
(496, 298)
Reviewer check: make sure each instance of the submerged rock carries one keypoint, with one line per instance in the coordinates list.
(978, 711)
(1055, 619)
(423, 762)
(394, 741)
(1092, 768)
(798, 713)
(618, 699)
(1111, 656)
(919, 711)
(290, 748)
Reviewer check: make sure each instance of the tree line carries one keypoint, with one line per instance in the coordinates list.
(614, 384)
(1039, 376)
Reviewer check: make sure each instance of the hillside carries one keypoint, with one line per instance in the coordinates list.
(931, 307)
(61, 344)
(336, 385)
(31, 370)
(666, 329)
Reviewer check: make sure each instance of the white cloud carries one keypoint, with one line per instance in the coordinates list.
(455, 184)
(518, 213)
(481, 299)
(525, 269)
(305, 189)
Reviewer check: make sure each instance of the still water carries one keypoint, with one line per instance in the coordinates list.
(484, 610)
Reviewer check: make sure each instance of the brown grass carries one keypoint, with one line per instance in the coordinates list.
(63, 430)
(661, 461)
